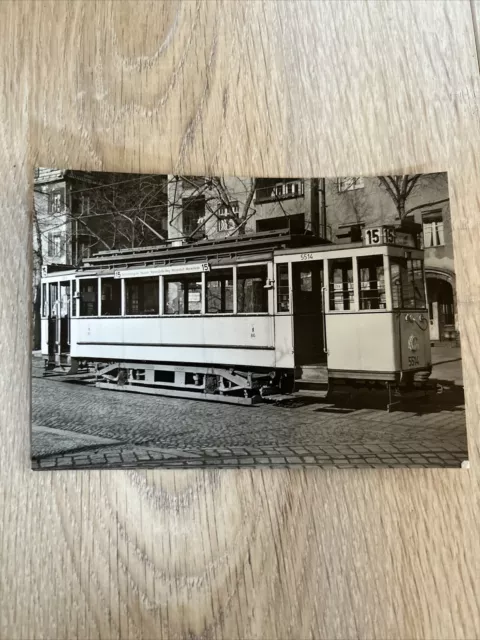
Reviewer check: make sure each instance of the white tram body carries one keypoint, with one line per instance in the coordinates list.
(220, 319)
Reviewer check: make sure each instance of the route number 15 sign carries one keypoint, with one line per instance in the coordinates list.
(379, 235)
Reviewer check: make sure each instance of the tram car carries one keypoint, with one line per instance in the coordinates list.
(238, 319)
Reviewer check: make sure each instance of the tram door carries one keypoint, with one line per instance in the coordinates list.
(52, 320)
(308, 313)
(59, 321)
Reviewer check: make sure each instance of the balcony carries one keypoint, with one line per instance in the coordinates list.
(276, 190)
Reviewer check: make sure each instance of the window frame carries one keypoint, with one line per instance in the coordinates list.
(277, 266)
(268, 265)
(119, 280)
(223, 216)
(386, 275)
(234, 289)
(187, 278)
(124, 299)
(354, 304)
(433, 219)
(403, 308)
(80, 301)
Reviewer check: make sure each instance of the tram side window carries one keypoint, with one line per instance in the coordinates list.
(408, 283)
(371, 278)
(252, 297)
(219, 294)
(283, 289)
(74, 298)
(183, 295)
(111, 297)
(141, 296)
(341, 284)
(88, 297)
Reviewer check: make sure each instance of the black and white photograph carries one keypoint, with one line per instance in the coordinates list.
(206, 322)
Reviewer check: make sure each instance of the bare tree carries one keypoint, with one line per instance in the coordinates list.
(240, 217)
(401, 188)
(210, 199)
(120, 211)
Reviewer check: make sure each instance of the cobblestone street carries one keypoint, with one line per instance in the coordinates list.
(77, 425)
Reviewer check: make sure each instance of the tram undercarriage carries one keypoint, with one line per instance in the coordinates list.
(192, 381)
(246, 387)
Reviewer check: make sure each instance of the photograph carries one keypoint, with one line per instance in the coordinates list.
(231, 322)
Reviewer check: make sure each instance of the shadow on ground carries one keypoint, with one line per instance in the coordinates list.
(340, 403)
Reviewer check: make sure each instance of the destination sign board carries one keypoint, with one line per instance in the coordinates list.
(170, 270)
(375, 236)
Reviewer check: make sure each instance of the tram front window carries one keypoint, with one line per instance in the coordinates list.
(371, 278)
(341, 284)
(408, 283)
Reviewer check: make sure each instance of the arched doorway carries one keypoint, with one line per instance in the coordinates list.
(441, 307)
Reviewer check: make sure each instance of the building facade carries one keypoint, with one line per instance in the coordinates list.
(334, 209)
(219, 208)
(77, 213)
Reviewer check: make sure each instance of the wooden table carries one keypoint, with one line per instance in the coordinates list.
(265, 88)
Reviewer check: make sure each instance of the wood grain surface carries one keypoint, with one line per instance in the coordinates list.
(267, 88)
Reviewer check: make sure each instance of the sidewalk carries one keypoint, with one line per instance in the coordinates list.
(447, 364)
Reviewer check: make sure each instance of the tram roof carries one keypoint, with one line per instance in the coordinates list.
(244, 244)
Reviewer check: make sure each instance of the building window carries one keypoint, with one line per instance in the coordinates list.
(283, 289)
(290, 189)
(111, 297)
(225, 222)
(56, 202)
(408, 283)
(219, 293)
(55, 245)
(252, 296)
(88, 297)
(269, 190)
(183, 295)
(141, 296)
(350, 183)
(192, 216)
(433, 235)
(341, 284)
(371, 278)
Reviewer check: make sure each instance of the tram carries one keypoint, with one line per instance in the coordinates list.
(241, 319)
